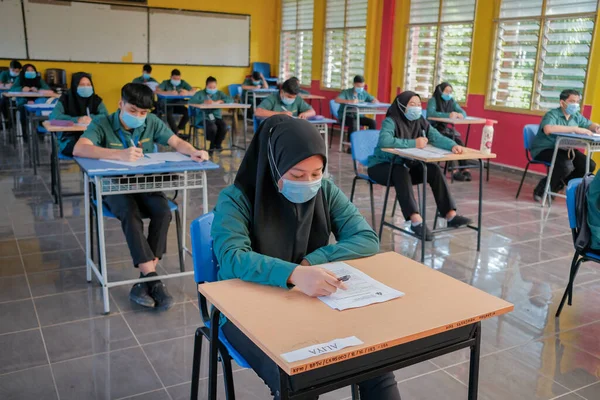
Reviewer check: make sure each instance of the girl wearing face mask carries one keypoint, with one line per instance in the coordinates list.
(404, 127)
(79, 104)
(28, 81)
(273, 225)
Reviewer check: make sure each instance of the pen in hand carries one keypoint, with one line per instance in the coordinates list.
(344, 278)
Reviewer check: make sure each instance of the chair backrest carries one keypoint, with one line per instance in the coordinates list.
(262, 67)
(205, 262)
(571, 203)
(235, 89)
(363, 145)
(529, 132)
(334, 108)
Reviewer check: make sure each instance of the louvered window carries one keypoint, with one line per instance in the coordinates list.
(345, 42)
(439, 42)
(295, 55)
(541, 51)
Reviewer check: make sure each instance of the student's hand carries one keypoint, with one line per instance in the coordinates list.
(219, 102)
(458, 149)
(421, 142)
(583, 131)
(84, 120)
(262, 76)
(315, 281)
(208, 101)
(288, 113)
(455, 115)
(26, 89)
(131, 154)
(33, 89)
(304, 115)
(199, 156)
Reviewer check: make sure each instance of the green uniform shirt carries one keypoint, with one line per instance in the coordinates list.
(167, 86)
(593, 216)
(555, 117)
(202, 96)
(141, 79)
(350, 94)
(59, 113)
(387, 139)
(433, 113)
(249, 82)
(274, 103)
(16, 87)
(5, 77)
(104, 132)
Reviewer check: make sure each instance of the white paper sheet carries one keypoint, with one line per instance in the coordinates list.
(362, 289)
(427, 152)
(322, 348)
(171, 156)
(139, 163)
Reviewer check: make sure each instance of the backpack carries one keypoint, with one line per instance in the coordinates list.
(583, 235)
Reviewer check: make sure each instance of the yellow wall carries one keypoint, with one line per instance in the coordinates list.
(109, 78)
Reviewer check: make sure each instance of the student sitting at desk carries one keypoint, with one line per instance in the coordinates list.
(442, 105)
(176, 86)
(404, 127)
(146, 76)
(79, 104)
(356, 94)
(126, 135)
(570, 163)
(300, 91)
(7, 78)
(286, 102)
(215, 129)
(255, 81)
(280, 185)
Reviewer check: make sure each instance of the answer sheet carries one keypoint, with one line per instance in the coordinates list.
(139, 163)
(362, 289)
(170, 156)
(427, 152)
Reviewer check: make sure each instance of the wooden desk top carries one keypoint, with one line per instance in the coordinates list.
(312, 97)
(465, 121)
(468, 154)
(280, 321)
(29, 94)
(54, 128)
(223, 106)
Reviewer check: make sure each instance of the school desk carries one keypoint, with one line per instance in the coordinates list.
(35, 113)
(13, 96)
(177, 100)
(107, 179)
(571, 141)
(310, 97)
(437, 315)
(359, 109)
(256, 94)
(222, 106)
(468, 154)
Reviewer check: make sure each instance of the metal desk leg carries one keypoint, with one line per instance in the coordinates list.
(385, 199)
(213, 354)
(102, 245)
(588, 154)
(342, 127)
(88, 243)
(204, 192)
(474, 364)
(245, 128)
(326, 138)
(480, 205)
(550, 171)
(467, 136)
(29, 133)
(424, 213)
(184, 213)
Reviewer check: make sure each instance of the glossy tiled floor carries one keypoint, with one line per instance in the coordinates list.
(55, 342)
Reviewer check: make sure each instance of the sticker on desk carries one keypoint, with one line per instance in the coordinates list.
(319, 349)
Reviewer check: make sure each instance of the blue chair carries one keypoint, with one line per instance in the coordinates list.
(579, 257)
(363, 146)
(529, 132)
(235, 90)
(265, 69)
(205, 270)
(334, 108)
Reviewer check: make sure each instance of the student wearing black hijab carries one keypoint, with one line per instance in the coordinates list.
(80, 104)
(28, 81)
(404, 127)
(273, 226)
(443, 105)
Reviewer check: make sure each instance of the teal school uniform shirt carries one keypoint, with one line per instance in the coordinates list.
(433, 113)
(593, 216)
(201, 96)
(141, 79)
(5, 77)
(106, 131)
(16, 87)
(387, 139)
(59, 113)
(555, 117)
(167, 86)
(350, 94)
(248, 82)
(274, 103)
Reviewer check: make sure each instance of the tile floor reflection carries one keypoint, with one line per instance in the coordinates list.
(56, 344)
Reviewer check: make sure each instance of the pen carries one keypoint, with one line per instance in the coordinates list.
(88, 112)
(344, 278)
(284, 109)
(133, 145)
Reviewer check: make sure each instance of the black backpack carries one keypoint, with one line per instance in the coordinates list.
(583, 235)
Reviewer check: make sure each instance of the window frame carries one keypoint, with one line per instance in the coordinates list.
(296, 32)
(439, 24)
(543, 19)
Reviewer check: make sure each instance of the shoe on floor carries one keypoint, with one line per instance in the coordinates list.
(161, 296)
(459, 176)
(418, 230)
(139, 295)
(459, 221)
(467, 175)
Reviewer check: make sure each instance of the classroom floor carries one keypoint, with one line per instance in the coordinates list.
(56, 344)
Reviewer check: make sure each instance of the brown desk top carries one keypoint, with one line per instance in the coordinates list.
(29, 94)
(280, 321)
(468, 154)
(466, 121)
(54, 128)
(312, 97)
(221, 105)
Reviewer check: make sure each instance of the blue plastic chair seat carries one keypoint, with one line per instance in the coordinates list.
(365, 177)
(61, 156)
(593, 255)
(108, 214)
(233, 353)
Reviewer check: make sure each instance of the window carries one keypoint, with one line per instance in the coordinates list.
(542, 47)
(439, 42)
(345, 42)
(296, 40)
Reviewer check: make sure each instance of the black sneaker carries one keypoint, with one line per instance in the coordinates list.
(459, 176)
(418, 230)
(139, 295)
(161, 295)
(467, 175)
(459, 221)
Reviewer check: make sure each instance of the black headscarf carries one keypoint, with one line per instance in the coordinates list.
(280, 228)
(35, 82)
(406, 129)
(74, 104)
(442, 105)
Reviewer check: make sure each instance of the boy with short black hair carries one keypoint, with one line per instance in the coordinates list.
(356, 94)
(215, 128)
(176, 86)
(146, 75)
(287, 101)
(7, 78)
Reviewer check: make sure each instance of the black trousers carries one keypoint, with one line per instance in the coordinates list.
(409, 174)
(568, 165)
(130, 209)
(364, 121)
(215, 132)
(178, 109)
(383, 387)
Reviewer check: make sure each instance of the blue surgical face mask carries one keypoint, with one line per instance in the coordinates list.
(85, 91)
(131, 120)
(175, 83)
(411, 113)
(30, 74)
(287, 101)
(256, 83)
(146, 76)
(359, 89)
(300, 191)
(211, 91)
(572, 108)
(13, 73)
(446, 97)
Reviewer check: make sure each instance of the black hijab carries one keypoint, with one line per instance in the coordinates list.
(406, 129)
(280, 228)
(442, 105)
(74, 104)
(35, 82)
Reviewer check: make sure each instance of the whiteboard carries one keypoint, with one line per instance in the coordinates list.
(72, 31)
(12, 38)
(197, 38)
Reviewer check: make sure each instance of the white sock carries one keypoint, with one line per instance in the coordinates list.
(450, 219)
(416, 223)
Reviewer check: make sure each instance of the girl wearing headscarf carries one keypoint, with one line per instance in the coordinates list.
(273, 225)
(79, 104)
(28, 81)
(443, 105)
(404, 127)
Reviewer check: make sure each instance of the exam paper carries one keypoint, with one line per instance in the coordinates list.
(322, 348)
(139, 163)
(427, 152)
(171, 156)
(362, 289)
